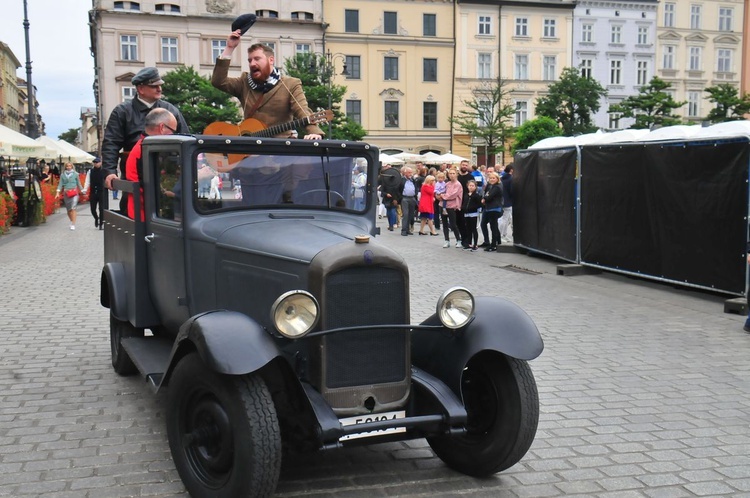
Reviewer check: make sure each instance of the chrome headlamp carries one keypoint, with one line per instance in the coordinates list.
(295, 313)
(455, 307)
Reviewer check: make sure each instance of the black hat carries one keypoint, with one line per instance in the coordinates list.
(243, 23)
(147, 76)
(97, 159)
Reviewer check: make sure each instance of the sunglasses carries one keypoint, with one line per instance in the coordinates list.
(170, 128)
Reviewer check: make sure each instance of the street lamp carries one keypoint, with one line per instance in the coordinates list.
(330, 72)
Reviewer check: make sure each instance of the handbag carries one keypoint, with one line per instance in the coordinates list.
(71, 192)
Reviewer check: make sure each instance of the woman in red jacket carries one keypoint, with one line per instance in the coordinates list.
(427, 205)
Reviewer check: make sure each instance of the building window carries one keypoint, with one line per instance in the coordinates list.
(271, 45)
(694, 99)
(429, 115)
(724, 60)
(217, 48)
(168, 49)
(302, 48)
(668, 57)
(642, 35)
(521, 67)
(429, 25)
(128, 93)
(614, 120)
(549, 65)
(522, 112)
(587, 66)
(127, 6)
(390, 23)
(669, 9)
(484, 65)
(267, 13)
(302, 16)
(167, 8)
(429, 69)
(694, 62)
(354, 110)
(615, 72)
(695, 16)
(615, 34)
(725, 18)
(391, 114)
(351, 21)
(641, 73)
(587, 33)
(129, 47)
(353, 67)
(484, 113)
(485, 25)
(550, 28)
(522, 26)
(390, 68)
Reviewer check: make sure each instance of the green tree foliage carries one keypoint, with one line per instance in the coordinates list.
(488, 117)
(729, 105)
(198, 101)
(534, 130)
(572, 101)
(69, 136)
(314, 72)
(652, 106)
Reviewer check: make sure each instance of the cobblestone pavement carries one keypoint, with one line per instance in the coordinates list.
(645, 388)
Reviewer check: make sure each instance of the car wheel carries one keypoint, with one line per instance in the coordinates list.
(223, 432)
(502, 404)
(119, 330)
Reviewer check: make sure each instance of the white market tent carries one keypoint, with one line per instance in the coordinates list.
(19, 146)
(431, 158)
(450, 158)
(408, 157)
(54, 150)
(386, 159)
(74, 155)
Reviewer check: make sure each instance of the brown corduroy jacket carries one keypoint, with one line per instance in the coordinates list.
(277, 107)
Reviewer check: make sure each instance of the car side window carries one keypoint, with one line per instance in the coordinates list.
(169, 196)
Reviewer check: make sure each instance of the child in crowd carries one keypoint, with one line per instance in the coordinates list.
(427, 205)
(470, 207)
(439, 191)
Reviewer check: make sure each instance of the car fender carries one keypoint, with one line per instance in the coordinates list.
(228, 342)
(113, 290)
(498, 325)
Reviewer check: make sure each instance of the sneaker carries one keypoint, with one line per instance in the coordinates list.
(72, 227)
(490, 249)
(466, 248)
(473, 248)
(484, 244)
(458, 244)
(446, 244)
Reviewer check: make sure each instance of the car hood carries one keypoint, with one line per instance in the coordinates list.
(296, 239)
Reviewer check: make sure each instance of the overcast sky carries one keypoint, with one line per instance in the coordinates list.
(62, 68)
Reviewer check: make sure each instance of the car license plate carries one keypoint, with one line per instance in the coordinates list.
(361, 419)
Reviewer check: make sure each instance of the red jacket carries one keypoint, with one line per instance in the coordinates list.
(134, 173)
(427, 199)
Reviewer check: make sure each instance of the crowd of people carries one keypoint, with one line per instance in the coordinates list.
(464, 200)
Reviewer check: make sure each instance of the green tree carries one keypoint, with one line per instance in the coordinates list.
(572, 101)
(199, 102)
(534, 130)
(652, 106)
(69, 136)
(488, 116)
(729, 105)
(314, 72)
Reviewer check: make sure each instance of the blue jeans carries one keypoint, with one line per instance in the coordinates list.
(391, 213)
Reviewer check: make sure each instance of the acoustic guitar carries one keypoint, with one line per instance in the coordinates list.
(252, 127)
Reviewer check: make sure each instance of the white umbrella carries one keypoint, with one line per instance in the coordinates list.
(75, 155)
(54, 150)
(451, 158)
(408, 157)
(19, 146)
(386, 159)
(431, 158)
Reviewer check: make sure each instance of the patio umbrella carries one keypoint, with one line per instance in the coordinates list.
(431, 158)
(387, 159)
(408, 157)
(451, 158)
(19, 146)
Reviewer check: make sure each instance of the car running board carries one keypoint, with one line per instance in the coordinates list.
(150, 355)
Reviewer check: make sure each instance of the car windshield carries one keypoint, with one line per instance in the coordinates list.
(247, 181)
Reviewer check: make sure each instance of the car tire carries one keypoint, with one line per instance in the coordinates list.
(502, 404)
(119, 330)
(223, 432)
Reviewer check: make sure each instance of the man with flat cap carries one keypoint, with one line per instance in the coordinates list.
(264, 94)
(126, 123)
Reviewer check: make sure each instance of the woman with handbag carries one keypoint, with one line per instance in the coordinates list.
(70, 185)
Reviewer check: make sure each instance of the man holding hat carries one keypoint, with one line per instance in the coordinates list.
(264, 94)
(126, 123)
(97, 194)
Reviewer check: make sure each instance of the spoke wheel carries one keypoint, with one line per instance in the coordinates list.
(223, 432)
(502, 404)
(119, 330)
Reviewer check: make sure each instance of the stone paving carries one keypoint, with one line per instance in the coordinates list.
(644, 388)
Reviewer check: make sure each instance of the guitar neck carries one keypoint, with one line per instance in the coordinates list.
(275, 130)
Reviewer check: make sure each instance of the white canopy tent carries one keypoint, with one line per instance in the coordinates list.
(54, 150)
(451, 158)
(19, 146)
(74, 154)
(408, 157)
(431, 158)
(387, 159)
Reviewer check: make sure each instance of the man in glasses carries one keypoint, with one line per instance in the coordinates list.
(126, 123)
(157, 122)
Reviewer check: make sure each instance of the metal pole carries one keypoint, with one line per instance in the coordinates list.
(329, 70)
(31, 128)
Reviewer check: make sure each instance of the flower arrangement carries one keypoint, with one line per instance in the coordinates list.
(48, 198)
(81, 196)
(7, 211)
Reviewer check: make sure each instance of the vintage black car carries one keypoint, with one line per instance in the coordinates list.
(251, 288)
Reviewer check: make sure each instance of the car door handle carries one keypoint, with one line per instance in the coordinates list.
(148, 238)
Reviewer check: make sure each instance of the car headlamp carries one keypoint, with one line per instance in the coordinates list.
(295, 313)
(455, 307)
